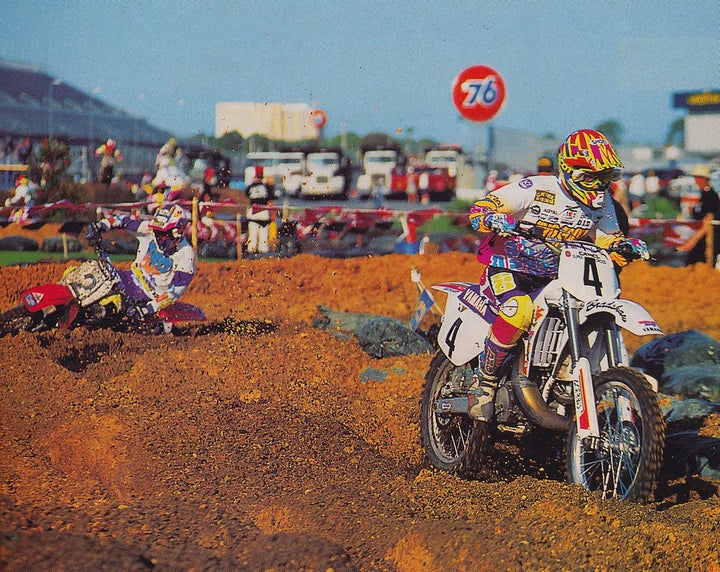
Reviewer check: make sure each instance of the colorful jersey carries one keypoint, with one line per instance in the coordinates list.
(110, 152)
(161, 278)
(542, 202)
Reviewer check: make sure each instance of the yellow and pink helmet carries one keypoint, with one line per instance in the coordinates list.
(587, 164)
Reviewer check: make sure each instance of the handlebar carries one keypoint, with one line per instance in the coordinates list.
(530, 231)
(134, 310)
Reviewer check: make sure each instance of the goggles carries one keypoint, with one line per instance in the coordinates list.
(590, 177)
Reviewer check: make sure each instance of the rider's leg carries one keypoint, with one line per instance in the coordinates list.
(514, 319)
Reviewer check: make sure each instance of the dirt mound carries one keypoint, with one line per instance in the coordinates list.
(251, 443)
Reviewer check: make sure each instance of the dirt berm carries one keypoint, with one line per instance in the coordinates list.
(253, 444)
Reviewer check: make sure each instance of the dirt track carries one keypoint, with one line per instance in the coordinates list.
(262, 449)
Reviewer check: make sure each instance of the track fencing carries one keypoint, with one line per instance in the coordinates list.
(225, 223)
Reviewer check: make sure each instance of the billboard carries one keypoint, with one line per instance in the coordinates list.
(698, 101)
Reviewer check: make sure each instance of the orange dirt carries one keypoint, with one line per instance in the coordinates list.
(259, 450)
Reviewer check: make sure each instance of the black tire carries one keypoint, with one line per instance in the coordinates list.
(626, 461)
(453, 442)
(18, 319)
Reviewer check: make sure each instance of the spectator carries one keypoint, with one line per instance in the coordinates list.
(707, 209)
(224, 174)
(545, 166)
(7, 150)
(619, 194)
(636, 191)
(378, 192)
(210, 180)
(258, 217)
(411, 189)
(424, 187)
(24, 151)
(652, 193)
(492, 182)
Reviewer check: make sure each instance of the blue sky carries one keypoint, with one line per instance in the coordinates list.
(378, 66)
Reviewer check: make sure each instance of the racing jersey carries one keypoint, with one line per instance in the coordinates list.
(541, 201)
(155, 276)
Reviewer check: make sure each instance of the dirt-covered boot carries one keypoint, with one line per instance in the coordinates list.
(481, 400)
(481, 396)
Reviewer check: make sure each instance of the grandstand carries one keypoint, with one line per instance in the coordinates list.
(35, 104)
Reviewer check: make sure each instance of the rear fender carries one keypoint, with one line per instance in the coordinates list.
(46, 296)
(462, 331)
(181, 312)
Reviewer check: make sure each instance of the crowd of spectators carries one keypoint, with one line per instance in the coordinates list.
(15, 152)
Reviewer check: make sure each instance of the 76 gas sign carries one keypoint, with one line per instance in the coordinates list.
(478, 93)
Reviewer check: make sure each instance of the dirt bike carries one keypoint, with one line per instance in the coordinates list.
(92, 295)
(569, 373)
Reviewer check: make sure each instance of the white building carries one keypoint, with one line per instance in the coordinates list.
(279, 121)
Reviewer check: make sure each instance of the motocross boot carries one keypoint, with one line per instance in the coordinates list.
(481, 397)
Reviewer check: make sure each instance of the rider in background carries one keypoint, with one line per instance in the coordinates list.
(111, 155)
(24, 195)
(164, 262)
(172, 151)
(573, 205)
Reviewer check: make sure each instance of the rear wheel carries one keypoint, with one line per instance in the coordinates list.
(453, 442)
(625, 461)
(18, 319)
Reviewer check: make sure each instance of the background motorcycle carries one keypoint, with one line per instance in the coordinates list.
(569, 373)
(90, 295)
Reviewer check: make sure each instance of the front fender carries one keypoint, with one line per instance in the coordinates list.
(46, 296)
(629, 315)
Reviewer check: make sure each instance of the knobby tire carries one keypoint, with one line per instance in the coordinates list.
(630, 457)
(454, 443)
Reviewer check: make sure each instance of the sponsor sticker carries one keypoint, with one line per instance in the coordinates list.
(525, 184)
(545, 197)
(474, 300)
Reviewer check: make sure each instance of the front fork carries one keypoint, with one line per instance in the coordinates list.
(583, 391)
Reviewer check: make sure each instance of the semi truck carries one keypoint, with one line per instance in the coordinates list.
(327, 173)
(282, 169)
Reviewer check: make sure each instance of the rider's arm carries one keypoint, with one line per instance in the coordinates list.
(608, 233)
(635, 246)
(507, 200)
(121, 222)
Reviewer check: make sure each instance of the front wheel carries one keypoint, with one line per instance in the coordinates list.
(18, 319)
(453, 442)
(625, 461)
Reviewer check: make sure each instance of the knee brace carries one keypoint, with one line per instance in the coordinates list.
(514, 319)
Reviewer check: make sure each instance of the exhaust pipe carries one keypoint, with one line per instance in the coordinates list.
(534, 406)
(529, 398)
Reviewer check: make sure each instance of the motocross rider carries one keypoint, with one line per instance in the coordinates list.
(164, 262)
(110, 156)
(573, 205)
